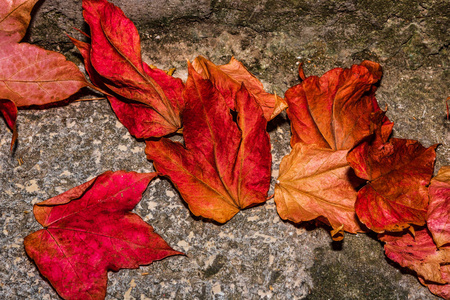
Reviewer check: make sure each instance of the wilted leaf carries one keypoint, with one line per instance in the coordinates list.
(224, 166)
(227, 79)
(146, 100)
(333, 111)
(89, 230)
(398, 172)
(316, 183)
(14, 19)
(438, 216)
(418, 253)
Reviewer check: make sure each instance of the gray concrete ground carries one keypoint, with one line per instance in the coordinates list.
(256, 255)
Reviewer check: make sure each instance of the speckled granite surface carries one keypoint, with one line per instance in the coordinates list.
(255, 255)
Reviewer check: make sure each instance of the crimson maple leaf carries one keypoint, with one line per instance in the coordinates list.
(224, 166)
(89, 230)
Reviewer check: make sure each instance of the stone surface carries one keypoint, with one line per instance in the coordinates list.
(256, 255)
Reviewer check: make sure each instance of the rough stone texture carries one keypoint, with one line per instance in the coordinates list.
(255, 255)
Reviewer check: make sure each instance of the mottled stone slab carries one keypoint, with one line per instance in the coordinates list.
(256, 255)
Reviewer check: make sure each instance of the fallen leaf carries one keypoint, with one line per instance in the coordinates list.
(438, 216)
(227, 79)
(89, 230)
(316, 183)
(418, 253)
(333, 111)
(398, 171)
(329, 115)
(147, 101)
(441, 290)
(30, 75)
(141, 120)
(14, 19)
(224, 166)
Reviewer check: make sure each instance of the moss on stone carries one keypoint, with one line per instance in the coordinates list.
(354, 272)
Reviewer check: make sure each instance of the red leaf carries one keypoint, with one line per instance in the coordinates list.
(85, 50)
(225, 166)
(317, 183)
(30, 75)
(398, 171)
(418, 253)
(9, 111)
(14, 19)
(141, 120)
(333, 111)
(438, 216)
(148, 101)
(89, 230)
(227, 79)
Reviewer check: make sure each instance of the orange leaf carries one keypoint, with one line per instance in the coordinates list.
(329, 115)
(333, 111)
(441, 290)
(225, 166)
(227, 79)
(316, 183)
